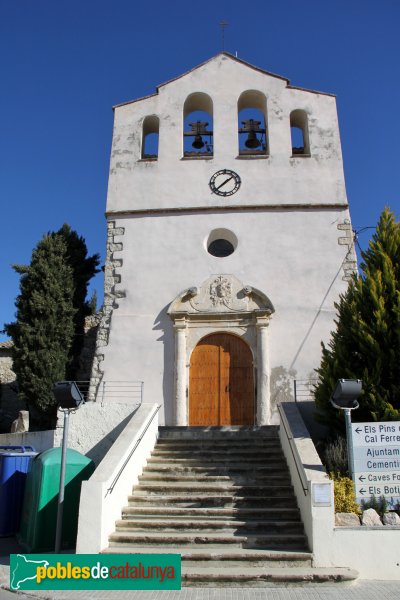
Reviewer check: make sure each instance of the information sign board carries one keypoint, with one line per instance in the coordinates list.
(376, 453)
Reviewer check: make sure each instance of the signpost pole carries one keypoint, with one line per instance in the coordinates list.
(68, 398)
(60, 506)
(350, 450)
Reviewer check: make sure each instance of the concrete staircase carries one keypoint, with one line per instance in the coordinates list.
(222, 498)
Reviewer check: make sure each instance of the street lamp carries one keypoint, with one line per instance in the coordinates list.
(68, 398)
(344, 397)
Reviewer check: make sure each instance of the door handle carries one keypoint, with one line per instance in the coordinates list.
(228, 387)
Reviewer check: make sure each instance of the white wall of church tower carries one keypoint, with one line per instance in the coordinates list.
(289, 218)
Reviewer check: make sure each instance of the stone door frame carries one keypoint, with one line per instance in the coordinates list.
(234, 309)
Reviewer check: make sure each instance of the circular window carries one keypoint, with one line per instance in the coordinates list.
(220, 248)
(221, 243)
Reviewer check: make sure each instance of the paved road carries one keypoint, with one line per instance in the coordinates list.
(360, 590)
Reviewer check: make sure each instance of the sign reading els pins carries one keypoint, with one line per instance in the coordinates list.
(377, 460)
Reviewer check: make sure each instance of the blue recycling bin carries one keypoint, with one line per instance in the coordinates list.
(14, 465)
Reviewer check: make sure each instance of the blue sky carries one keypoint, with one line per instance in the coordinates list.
(64, 64)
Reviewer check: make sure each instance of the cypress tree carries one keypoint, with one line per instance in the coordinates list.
(84, 267)
(44, 326)
(51, 308)
(366, 342)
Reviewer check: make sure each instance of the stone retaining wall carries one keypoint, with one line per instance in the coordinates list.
(10, 405)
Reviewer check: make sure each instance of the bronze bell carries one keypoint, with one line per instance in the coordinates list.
(198, 142)
(252, 140)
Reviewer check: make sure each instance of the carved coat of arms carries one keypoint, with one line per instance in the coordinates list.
(221, 291)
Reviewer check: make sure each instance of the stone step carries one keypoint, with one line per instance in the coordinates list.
(245, 443)
(223, 466)
(183, 513)
(287, 513)
(227, 461)
(233, 557)
(210, 443)
(220, 456)
(181, 487)
(214, 469)
(270, 541)
(204, 433)
(208, 454)
(264, 578)
(242, 558)
(210, 526)
(208, 465)
(268, 455)
(210, 500)
(243, 479)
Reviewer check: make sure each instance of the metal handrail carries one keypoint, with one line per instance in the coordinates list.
(118, 475)
(83, 387)
(112, 390)
(294, 451)
(115, 390)
(303, 389)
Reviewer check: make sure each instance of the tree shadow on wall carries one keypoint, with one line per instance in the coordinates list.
(99, 450)
(164, 324)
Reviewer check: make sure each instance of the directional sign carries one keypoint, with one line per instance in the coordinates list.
(364, 491)
(376, 434)
(377, 478)
(376, 460)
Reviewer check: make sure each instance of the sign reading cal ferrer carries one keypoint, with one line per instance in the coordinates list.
(377, 461)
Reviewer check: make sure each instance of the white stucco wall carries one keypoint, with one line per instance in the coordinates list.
(94, 427)
(92, 430)
(38, 440)
(107, 491)
(295, 259)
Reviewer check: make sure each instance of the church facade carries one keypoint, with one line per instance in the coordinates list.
(229, 240)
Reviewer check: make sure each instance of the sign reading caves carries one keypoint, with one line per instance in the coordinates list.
(95, 572)
(377, 461)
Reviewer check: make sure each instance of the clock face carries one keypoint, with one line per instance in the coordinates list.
(225, 182)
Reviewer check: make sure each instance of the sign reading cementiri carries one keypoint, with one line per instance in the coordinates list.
(377, 461)
(95, 572)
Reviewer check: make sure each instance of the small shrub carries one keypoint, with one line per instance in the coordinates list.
(335, 456)
(345, 498)
(378, 504)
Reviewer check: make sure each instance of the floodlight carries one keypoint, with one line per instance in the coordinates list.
(67, 394)
(345, 394)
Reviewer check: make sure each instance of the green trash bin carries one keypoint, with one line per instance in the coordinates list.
(39, 513)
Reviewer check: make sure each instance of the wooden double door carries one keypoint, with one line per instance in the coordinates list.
(221, 382)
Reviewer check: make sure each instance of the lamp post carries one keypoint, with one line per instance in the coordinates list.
(69, 399)
(344, 397)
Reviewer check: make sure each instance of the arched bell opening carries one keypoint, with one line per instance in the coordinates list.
(198, 126)
(150, 135)
(299, 133)
(252, 124)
